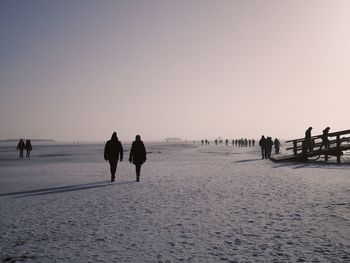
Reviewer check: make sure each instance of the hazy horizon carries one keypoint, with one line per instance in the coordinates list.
(79, 70)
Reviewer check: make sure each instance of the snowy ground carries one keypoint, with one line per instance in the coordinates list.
(194, 204)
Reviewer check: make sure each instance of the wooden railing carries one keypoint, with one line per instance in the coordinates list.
(335, 147)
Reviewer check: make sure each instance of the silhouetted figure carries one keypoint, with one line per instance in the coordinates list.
(250, 143)
(269, 145)
(308, 142)
(21, 147)
(28, 148)
(325, 141)
(202, 142)
(262, 144)
(137, 155)
(268, 149)
(277, 145)
(216, 142)
(226, 141)
(253, 143)
(113, 152)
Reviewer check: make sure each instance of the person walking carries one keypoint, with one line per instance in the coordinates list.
(262, 144)
(137, 155)
(268, 147)
(277, 145)
(112, 153)
(28, 148)
(325, 141)
(20, 147)
(308, 142)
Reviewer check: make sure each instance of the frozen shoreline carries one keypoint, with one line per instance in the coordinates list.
(194, 204)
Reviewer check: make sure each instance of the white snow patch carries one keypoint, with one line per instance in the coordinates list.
(194, 204)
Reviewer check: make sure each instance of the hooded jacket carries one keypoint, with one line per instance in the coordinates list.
(113, 149)
(137, 152)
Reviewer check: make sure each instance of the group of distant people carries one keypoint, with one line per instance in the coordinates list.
(266, 145)
(113, 152)
(24, 146)
(238, 142)
(244, 142)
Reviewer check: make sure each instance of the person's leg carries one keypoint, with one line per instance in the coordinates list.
(113, 166)
(138, 172)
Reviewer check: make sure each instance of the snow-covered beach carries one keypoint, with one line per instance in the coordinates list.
(194, 204)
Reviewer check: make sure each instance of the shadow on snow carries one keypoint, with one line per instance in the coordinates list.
(63, 189)
(248, 160)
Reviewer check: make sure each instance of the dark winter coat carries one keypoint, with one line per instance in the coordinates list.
(28, 146)
(113, 149)
(262, 142)
(21, 145)
(137, 153)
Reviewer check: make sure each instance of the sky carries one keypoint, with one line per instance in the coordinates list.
(79, 70)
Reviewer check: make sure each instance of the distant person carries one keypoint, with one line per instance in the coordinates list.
(20, 147)
(262, 144)
(308, 142)
(226, 141)
(202, 142)
(137, 155)
(253, 143)
(216, 142)
(113, 152)
(277, 145)
(325, 141)
(268, 149)
(28, 148)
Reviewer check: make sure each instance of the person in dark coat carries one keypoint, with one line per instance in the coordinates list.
(277, 145)
(325, 141)
(262, 144)
(21, 147)
(308, 142)
(268, 149)
(28, 148)
(137, 155)
(113, 152)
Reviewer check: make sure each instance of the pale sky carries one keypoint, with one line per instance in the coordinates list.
(79, 70)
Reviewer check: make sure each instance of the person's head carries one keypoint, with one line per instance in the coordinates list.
(114, 136)
(138, 138)
(310, 128)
